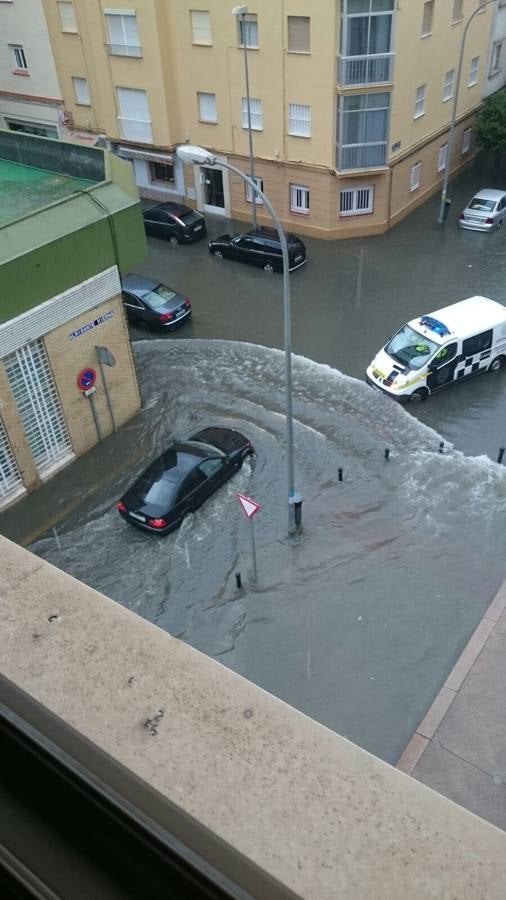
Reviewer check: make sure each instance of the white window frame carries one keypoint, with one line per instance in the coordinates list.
(448, 85)
(354, 201)
(67, 15)
(466, 141)
(495, 61)
(141, 127)
(249, 191)
(81, 90)
(256, 112)
(473, 71)
(248, 24)
(299, 120)
(299, 199)
(442, 157)
(415, 177)
(203, 99)
(123, 47)
(427, 31)
(457, 10)
(18, 58)
(200, 20)
(304, 28)
(420, 97)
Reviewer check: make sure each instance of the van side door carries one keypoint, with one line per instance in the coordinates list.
(476, 352)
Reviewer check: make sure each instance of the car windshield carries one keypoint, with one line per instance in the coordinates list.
(410, 348)
(207, 448)
(190, 217)
(160, 296)
(481, 204)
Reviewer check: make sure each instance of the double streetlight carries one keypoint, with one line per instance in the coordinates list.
(442, 206)
(199, 156)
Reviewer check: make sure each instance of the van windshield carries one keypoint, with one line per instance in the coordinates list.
(410, 348)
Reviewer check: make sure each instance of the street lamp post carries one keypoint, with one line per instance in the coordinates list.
(446, 178)
(199, 156)
(240, 13)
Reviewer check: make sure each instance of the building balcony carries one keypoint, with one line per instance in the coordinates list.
(359, 71)
(137, 130)
(356, 157)
(124, 50)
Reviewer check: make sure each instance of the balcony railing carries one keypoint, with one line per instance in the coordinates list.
(353, 71)
(361, 156)
(124, 50)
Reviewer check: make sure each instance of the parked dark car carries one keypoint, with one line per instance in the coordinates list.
(152, 303)
(174, 222)
(182, 478)
(260, 247)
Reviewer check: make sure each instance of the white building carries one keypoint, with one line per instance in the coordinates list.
(495, 74)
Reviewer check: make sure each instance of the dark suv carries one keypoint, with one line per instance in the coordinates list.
(260, 247)
(175, 222)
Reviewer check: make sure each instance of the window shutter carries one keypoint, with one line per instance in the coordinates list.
(67, 16)
(201, 26)
(207, 107)
(298, 34)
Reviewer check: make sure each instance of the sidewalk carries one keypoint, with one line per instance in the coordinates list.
(459, 749)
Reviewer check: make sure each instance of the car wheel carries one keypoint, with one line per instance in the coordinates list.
(218, 253)
(419, 396)
(499, 225)
(268, 267)
(497, 364)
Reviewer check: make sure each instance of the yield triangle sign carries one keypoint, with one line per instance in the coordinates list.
(249, 506)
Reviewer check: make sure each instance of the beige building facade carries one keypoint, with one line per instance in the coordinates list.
(350, 100)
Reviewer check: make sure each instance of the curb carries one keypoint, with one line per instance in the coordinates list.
(423, 735)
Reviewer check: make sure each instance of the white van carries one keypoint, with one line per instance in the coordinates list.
(446, 346)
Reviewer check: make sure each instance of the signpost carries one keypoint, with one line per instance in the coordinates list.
(86, 383)
(249, 508)
(105, 358)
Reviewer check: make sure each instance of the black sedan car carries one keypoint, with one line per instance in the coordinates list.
(174, 222)
(260, 247)
(183, 477)
(152, 303)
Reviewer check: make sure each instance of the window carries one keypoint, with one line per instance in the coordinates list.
(457, 10)
(211, 467)
(466, 141)
(67, 17)
(38, 404)
(477, 344)
(161, 171)
(123, 33)
(496, 64)
(134, 115)
(441, 161)
(448, 85)
(201, 27)
(298, 34)
(18, 58)
(299, 120)
(356, 201)
(249, 191)
(207, 107)
(421, 93)
(255, 107)
(482, 4)
(248, 30)
(10, 479)
(414, 180)
(81, 91)
(428, 15)
(40, 130)
(473, 71)
(299, 198)
(363, 131)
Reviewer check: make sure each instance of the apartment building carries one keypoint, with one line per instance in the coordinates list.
(495, 62)
(350, 99)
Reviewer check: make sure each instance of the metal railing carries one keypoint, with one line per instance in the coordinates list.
(361, 156)
(124, 50)
(375, 68)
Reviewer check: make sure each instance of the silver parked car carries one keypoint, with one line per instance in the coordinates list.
(485, 212)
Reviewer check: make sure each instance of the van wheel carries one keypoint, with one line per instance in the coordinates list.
(419, 396)
(268, 267)
(497, 364)
(218, 253)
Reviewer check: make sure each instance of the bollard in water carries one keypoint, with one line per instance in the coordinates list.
(339, 474)
(387, 453)
(238, 580)
(501, 454)
(441, 446)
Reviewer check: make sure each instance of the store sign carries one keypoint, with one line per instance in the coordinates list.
(88, 327)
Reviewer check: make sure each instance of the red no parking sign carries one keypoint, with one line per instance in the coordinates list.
(86, 379)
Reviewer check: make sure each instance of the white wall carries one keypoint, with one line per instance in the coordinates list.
(494, 82)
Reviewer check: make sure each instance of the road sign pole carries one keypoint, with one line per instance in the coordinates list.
(254, 576)
(107, 394)
(94, 413)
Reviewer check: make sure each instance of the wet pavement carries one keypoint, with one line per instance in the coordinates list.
(358, 622)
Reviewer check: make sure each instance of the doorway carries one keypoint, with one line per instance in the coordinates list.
(214, 195)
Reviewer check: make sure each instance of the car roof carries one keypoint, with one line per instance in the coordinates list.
(270, 234)
(139, 284)
(470, 316)
(489, 194)
(172, 207)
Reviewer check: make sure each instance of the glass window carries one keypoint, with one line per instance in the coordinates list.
(201, 27)
(473, 71)
(410, 348)
(299, 34)
(18, 58)
(445, 354)
(162, 171)
(421, 93)
(67, 16)
(248, 30)
(448, 85)
(134, 116)
(466, 141)
(363, 129)
(441, 162)
(10, 478)
(299, 198)
(414, 180)
(256, 113)
(356, 201)
(159, 297)
(207, 107)
(428, 15)
(123, 33)
(81, 91)
(299, 120)
(249, 191)
(477, 344)
(496, 62)
(457, 10)
(194, 480)
(211, 467)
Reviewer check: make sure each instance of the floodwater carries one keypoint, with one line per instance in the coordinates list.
(357, 622)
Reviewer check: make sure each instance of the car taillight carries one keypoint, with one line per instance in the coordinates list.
(157, 523)
(489, 221)
(121, 507)
(166, 317)
(462, 216)
(187, 302)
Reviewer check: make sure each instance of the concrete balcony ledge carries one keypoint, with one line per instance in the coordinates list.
(305, 809)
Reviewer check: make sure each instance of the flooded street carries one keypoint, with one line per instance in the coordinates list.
(356, 623)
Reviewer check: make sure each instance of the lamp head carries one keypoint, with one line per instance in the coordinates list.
(192, 155)
(240, 10)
